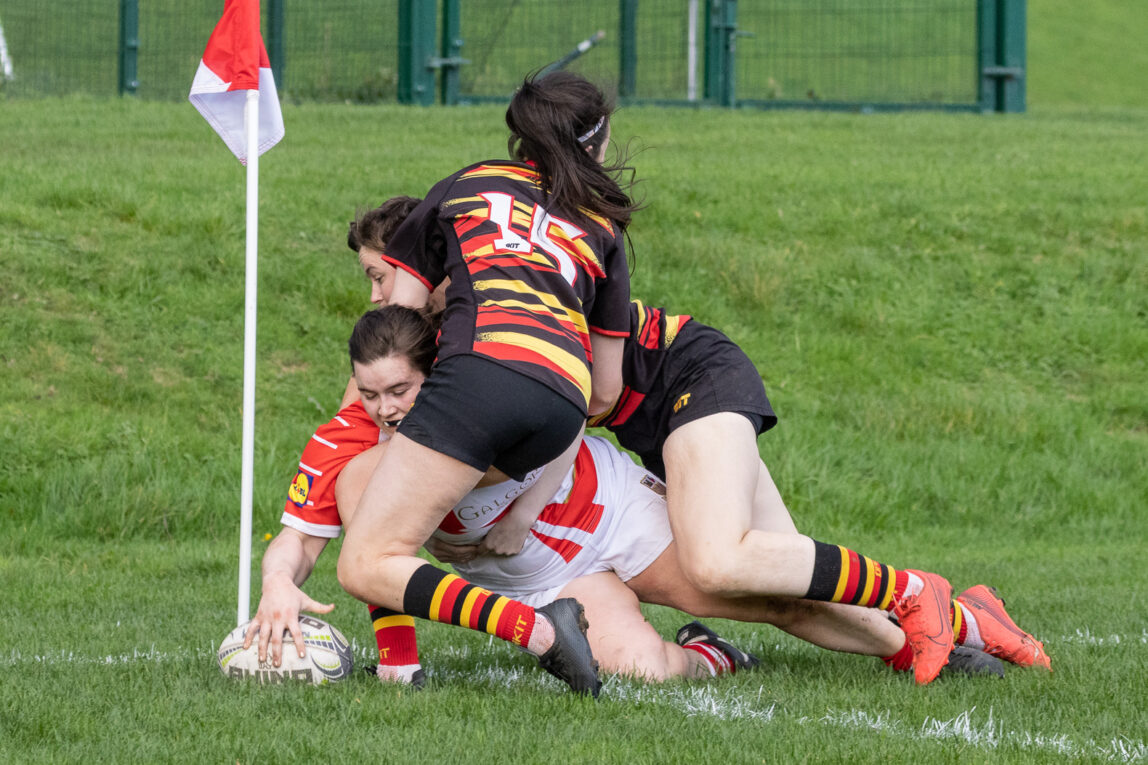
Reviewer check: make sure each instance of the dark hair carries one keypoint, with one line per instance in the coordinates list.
(372, 228)
(547, 117)
(395, 330)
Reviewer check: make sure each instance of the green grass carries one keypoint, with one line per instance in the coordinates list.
(1086, 53)
(948, 312)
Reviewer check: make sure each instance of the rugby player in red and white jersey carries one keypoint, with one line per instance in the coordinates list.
(602, 537)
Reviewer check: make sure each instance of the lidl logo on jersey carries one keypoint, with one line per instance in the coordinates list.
(300, 488)
(682, 402)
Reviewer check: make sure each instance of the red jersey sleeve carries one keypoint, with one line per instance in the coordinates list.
(311, 506)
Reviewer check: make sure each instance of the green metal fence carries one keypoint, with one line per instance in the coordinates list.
(855, 54)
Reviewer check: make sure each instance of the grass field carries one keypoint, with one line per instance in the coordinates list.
(949, 313)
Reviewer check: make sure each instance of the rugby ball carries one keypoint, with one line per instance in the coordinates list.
(327, 659)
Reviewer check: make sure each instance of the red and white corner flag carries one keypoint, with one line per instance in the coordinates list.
(235, 92)
(236, 61)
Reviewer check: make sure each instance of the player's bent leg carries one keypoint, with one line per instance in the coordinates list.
(833, 626)
(712, 471)
(399, 509)
(769, 510)
(622, 640)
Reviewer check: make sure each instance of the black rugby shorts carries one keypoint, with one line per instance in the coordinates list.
(484, 414)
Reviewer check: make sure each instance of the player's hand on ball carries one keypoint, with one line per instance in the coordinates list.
(328, 658)
(279, 609)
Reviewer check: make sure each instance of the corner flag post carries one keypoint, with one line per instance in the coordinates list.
(251, 282)
(235, 92)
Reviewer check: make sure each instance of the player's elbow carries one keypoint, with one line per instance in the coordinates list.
(604, 391)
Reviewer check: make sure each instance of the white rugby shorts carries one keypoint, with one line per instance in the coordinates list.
(624, 528)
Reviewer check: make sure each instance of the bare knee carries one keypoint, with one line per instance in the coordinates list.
(352, 575)
(714, 575)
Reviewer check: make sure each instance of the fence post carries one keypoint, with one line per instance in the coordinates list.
(451, 48)
(721, 52)
(1001, 55)
(416, 47)
(1013, 53)
(129, 47)
(277, 49)
(628, 48)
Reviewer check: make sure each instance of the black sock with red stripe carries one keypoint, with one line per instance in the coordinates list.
(841, 575)
(439, 596)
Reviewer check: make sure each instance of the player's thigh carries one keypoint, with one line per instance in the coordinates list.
(769, 510)
(352, 481)
(621, 638)
(711, 478)
(409, 493)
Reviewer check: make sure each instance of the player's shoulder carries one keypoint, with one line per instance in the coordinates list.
(497, 172)
(350, 426)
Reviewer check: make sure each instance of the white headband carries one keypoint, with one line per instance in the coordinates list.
(593, 131)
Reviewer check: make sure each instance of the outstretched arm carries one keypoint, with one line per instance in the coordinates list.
(287, 563)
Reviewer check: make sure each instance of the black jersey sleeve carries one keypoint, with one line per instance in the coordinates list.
(418, 244)
(610, 314)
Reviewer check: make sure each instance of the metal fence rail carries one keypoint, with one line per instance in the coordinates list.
(893, 51)
(813, 53)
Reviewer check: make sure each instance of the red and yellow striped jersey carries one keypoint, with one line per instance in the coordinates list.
(652, 330)
(527, 283)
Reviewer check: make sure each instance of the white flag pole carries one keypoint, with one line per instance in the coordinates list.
(251, 119)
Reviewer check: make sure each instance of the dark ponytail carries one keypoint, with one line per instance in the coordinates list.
(559, 122)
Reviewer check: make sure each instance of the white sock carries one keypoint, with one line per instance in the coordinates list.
(713, 659)
(400, 673)
(973, 637)
(914, 585)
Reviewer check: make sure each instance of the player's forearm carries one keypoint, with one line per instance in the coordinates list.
(606, 372)
(526, 509)
(291, 555)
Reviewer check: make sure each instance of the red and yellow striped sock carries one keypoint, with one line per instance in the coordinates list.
(395, 637)
(841, 575)
(960, 622)
(441, 597)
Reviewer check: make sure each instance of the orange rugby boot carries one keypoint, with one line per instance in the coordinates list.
(927, 624)
(1002, 637)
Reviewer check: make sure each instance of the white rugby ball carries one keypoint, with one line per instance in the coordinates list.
(327, 659)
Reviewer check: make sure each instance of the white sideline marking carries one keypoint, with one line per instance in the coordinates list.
(1085, 637)
(712, 701)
